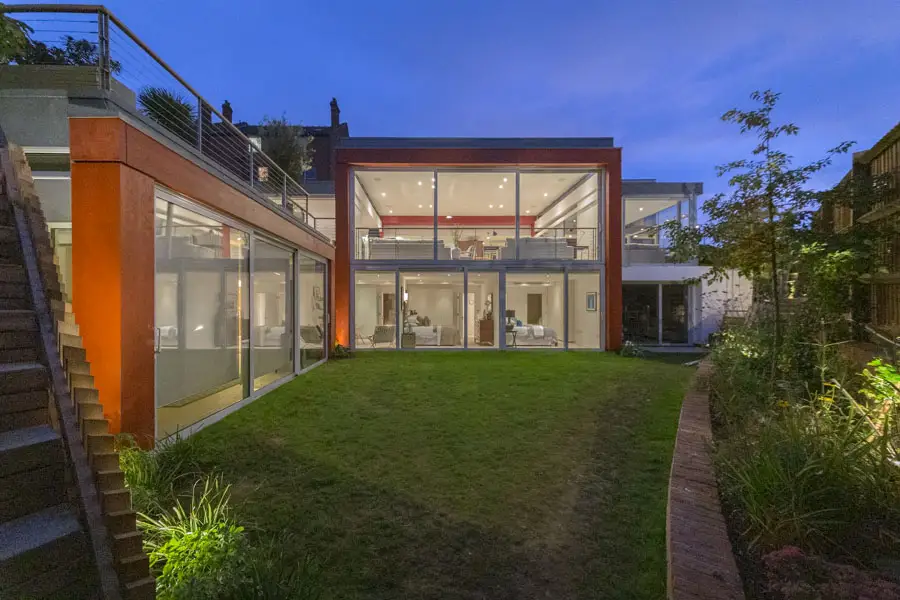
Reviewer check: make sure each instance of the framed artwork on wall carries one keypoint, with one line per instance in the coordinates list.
(590, 302)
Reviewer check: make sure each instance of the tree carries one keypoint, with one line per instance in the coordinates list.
(287, 145)
(13, 37)
(170, 109)
(755, 225)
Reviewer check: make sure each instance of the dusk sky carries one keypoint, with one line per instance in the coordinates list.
(654, 75)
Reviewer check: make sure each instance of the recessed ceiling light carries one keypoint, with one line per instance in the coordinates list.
(505, 180)
(418, 274)
(546, 194)
(641, 208)
(501, 186)
(420, 183)
(420, 206)
(501, 206)
(432, 186)
(490, 206)
(449, 217)
(527, 212)
(383, 194)
(390, 211)
(430, 206)
(433, 180)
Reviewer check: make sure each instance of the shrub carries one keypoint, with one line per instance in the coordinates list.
(340, 351)
(632, 350)
(791, 575)
(814, 477)
(191, 545)
(155, 476)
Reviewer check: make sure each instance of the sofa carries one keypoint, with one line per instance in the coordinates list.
(394, 249)
(538, 248)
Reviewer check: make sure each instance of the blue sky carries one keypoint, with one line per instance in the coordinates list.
(655, 75)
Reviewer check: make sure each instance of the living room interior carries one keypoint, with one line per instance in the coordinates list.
(476, 214)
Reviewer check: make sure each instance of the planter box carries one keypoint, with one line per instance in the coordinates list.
(408, 340)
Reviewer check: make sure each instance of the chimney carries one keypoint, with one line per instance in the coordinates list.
(335, 114)
(227, 112)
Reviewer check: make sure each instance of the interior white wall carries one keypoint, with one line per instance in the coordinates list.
(309, 315)
(551, 304)
(581, 197)
(732, 295)
(584, 325)
(438, 303)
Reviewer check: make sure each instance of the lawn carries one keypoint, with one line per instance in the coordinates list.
(464, 475)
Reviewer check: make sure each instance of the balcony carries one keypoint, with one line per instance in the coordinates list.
(94, 57)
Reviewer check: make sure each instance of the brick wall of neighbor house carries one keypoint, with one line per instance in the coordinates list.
(609, 158)
(115, 168)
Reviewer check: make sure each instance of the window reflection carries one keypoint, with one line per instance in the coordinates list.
(273, 307)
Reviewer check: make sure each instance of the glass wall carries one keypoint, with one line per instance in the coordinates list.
(312, 300)
(476, 215)
(656, 313)
(272, 327)
(432, 310)
(640, 312)
(645, 243)
(375, 309)
(484, 320)
(585, 315)
(394, 216)
(202, 336)
(535, 310)
(674, 313)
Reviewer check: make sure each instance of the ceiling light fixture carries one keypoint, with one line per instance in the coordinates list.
(501, 186)
(527, 212)
(420, 183)
(449, 217)
(490, 206)
(383, 194)
(420, 206)
(390, 212)
(501, 206)
(546, 194)
(505, 180)
(641, 208)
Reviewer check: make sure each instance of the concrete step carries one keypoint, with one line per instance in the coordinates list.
(110, 480)
(104, 461)
(14, 290)
(18, 320)
(31, 491)
(99, 443)
(78, 380)
(23, 354)
(25, 418)
(29, 448)
(143, 589)
(128, 544)
(14, 303)
(8, 234)
(13, 274)
(78, 367)
(22, 377)
(42, 554)
(23, 401)
(121, 521)
(115, 500)
(18, 339)
(133, 568)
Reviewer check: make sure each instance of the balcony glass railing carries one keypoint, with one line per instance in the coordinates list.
(98, 52)
(476, 243)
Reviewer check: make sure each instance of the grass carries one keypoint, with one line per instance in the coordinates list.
(463, 475)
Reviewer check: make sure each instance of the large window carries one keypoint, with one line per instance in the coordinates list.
(312, 301)
(202, 338)
(470, 215)
(394, 216)
(645, 241)
(375, 309)
(656, 313)
(484, 320)
(535, 310)
(273, 309)
(674, 312)
(432, 310)
(558, 216)
(585, 315)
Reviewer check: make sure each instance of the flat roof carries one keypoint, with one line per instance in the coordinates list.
(651, 187)
(504, 143)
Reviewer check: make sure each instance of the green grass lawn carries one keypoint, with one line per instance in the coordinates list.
(464, 475)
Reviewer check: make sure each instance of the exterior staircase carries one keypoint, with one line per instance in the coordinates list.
(67, 528)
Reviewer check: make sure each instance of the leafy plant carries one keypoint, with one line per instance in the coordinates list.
(792, 575)
(13, 37)
(632, 350)
(155, 476)
(339, 351)
(287, 145)
(171, 109)
(192, 544)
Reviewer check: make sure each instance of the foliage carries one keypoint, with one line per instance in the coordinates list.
(339, 351)
(754, 227)
(13, 37)
(631, 350)
(197, 542)
(814, 477)
(792, 575)
(155, 477)
(286, 145)
(171, 109)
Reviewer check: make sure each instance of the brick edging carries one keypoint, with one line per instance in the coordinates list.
(700, 560)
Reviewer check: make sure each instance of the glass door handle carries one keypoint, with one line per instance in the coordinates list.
(157, 341)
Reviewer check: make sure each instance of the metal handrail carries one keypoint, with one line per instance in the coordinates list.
(104, 58)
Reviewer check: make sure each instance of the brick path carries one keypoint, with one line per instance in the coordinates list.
(701, 563)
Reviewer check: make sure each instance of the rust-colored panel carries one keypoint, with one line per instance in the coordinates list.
(97, 139)
(138, 268)
(97, 277)
(473, 157)
(458, 220)
(173, 171)
(342, 252)
(614, 253)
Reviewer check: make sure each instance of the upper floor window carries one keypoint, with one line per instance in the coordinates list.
(477, 214)
(645, 241)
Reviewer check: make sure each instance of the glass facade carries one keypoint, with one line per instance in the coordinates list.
(585, 313)
(432, 310)
(535, 310)
(472, 215)
(484, 322)
(226, 303)
(375, 309)
(656, 313)
(645, 242)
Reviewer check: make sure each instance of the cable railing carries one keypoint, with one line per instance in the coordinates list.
(101, 51)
